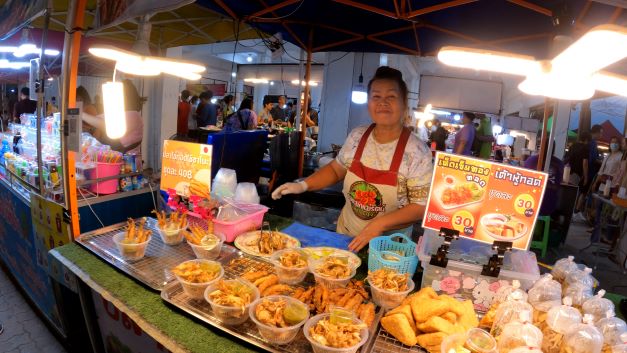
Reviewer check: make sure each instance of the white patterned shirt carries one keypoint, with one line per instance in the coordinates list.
(414, 174)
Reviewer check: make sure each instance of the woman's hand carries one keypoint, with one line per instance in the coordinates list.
(372, 230)
(289, 188)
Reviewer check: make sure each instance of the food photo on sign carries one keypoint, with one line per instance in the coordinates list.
(484, 201)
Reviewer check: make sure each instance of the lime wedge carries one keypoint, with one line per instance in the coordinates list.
(294, 313)
(210, 241)
(341, 316)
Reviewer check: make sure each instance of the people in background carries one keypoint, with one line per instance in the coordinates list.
(290, 110)
(51, 107)
(184, 108)
(578, 159)
(132, 139)
(484, 137)
(226, 108)
(611, 169)
(439, 135)
(82, 96)
(465, 137)
(25, 105)
(556, 172)
(244, 119)
(98, 104)
(278, 112)
(264, 115)
(207, 113)
(595, 163)
(191, 119)
(386, 170)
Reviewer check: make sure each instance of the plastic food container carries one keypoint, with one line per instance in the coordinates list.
(388, 299)
(329, 282)
(476, 340)
(319, 348)
(171, 236)
(278, 335)
(230, 315)
(130, 252)
(243, 224)
(462, 277)
(208, 252)
(196, 290)
(289, 275)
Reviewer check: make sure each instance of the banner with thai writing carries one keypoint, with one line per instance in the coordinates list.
(483, 200)
(186, 168)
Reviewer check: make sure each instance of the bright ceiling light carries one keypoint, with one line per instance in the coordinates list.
(478, 59)
(214, 100)
(140, 65)
(571, 75)
(456, 117)
(359, 94)
(7, 49)
(25, 49)
(233, 74)
(497, 129)
(114, 115)
(256, 80)
(51, 52)
(302, 83)
(440, 112)
(271, 83)
(249, 58)
(16, 65)
(610, 83)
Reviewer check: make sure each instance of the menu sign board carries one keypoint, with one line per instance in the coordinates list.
(483, 200)
(186, 168)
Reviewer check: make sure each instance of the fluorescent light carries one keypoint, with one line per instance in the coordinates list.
(478, 59)
(51, 52)
(7, 49)
(50, 79)
(601, 46)
(497, 129)
(271, 83)
(25, 49)
(249, 58)
(135, 64)
(359, 97)
(440, 112)
(456, 117)
(256, 80)
(611, 83)
(302, 83)
(233, 74)
(428, 108)
(214, 100)
(113, 103)
(16, 65)
(567, 87)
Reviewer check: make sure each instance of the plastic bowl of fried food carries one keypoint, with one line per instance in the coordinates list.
(205, 245)
(290, 265)
(332, 271)
(170, 228)
(196, 275)
(278, 317)
(389, 288)
(230, 300)
(130, 250)
(335, 335)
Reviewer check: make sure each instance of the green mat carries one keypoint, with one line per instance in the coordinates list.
(189, 333)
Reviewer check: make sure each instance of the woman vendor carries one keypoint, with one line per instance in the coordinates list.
(386, 169)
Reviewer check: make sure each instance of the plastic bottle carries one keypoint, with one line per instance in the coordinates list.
(5, 148)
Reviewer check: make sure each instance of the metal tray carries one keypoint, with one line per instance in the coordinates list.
(235, 264)
(154, 269)
(386, 343)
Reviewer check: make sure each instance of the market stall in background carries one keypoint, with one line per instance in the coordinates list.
(174, 242)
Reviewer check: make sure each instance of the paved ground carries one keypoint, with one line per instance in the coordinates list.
(23, 332)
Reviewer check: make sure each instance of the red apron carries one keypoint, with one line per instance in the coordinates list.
(370, 192)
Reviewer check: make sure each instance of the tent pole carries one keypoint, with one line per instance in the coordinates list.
(305, 108)
(543, 139)
(69, 72)
(41, 101)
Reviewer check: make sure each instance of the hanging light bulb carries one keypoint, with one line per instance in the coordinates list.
(113, 102)
(249, 58)
(359, 94)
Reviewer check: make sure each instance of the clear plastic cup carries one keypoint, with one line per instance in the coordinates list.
(208, 252)
(130, 252)
(171, 236)
(278, 335)
(475, 340)
(230, 315)
(388, 299)
(289, 275)
(329, 282)
(319, 348)
(197, 290)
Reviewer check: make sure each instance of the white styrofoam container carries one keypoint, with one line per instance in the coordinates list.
(462, 277)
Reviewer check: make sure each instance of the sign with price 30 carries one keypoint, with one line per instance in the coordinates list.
(483, 200)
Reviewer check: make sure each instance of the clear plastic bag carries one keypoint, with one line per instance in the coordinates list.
(583, 277)
(583, 338)
(612, 329)
(505, 291)
(513, 310)
(560, 318)
(519, 334)
(579, 293)
(562, 267)
(545, 294)
(597, 306)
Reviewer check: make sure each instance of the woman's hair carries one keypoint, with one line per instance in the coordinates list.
(81, 92)
(132, 100)
(266, 100)
(194, 99)
(247, 103)
(228, 99)
(388, 73)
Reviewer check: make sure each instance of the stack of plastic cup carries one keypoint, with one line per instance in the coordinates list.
(246, 193)
(224, 184)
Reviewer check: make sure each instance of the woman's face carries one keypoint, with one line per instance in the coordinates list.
(385, 104)
(268, 106)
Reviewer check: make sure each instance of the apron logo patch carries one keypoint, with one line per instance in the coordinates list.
(366, 200)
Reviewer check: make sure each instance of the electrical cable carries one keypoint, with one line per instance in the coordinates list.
(89, 205)
(280, 17)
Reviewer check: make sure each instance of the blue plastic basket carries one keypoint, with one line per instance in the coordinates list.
(393, 245)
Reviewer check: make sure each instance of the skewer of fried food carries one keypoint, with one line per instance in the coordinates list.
(130, 233)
